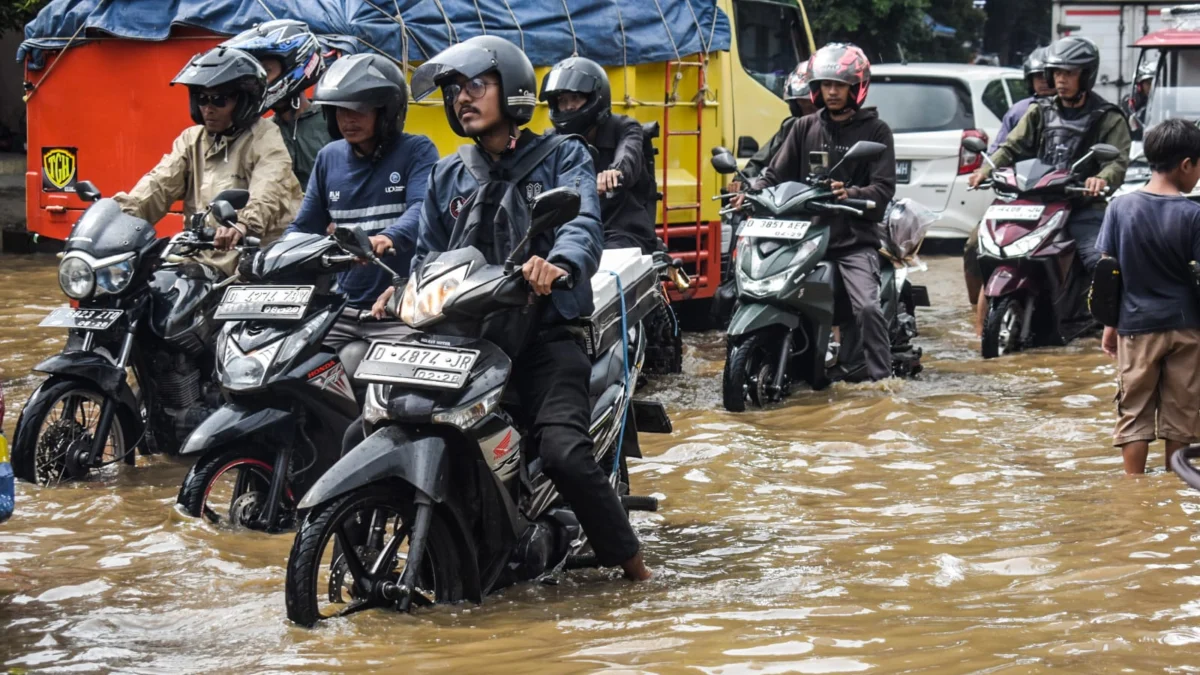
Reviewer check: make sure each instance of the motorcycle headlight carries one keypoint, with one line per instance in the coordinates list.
(419, 308)
(1030, 242)
(986, 243)
(775, 283)
(114, 278)
(466, 416)
(76, 278)
(375, 403)
(296, 341)
(246, 371)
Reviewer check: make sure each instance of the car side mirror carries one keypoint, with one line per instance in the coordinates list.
(1104, 152)
(552, 209)
(974, 144)
(746, 146)
(724, 162)
(86, 191)
(353, 240)
(865, 150)
(224, 213)
(236, 198)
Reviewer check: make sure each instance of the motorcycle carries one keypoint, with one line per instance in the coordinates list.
(1036, 287)
(1181, 464)
(789, 297)
(140, 303)
(288, 401)
(440, 502)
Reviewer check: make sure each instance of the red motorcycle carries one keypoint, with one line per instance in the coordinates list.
(1036, 287)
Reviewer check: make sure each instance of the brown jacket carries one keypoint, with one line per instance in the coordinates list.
(199, 166)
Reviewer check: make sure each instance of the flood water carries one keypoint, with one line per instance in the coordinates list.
(975, 520)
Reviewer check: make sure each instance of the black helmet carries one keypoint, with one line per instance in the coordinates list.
(1035, 64)
(472, 58)
(365, 82)
(296, 49)
(1074, 53)
(580, 76)
(228, 70)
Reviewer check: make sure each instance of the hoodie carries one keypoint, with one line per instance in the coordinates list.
(870, 179)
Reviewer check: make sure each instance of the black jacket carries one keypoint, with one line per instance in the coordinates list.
(626, 213)
(761, 159)
(874, 179)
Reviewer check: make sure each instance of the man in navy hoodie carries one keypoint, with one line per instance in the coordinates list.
(375, 177)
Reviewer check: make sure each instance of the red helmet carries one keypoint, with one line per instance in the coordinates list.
(839, 62)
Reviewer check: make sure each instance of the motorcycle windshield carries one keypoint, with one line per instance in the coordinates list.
(779, 199)
(104, 230)
(281, 258)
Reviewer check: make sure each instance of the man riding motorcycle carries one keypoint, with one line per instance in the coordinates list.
(231, 147)
(580, 100)
(1135, 105)
(291, 55)
(375, 177)
(488, 90)
(839, 76)
(799, 99)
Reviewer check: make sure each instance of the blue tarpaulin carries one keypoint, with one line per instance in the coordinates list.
(548, 30)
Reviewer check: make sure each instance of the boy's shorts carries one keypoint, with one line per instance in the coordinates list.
(1158, 375)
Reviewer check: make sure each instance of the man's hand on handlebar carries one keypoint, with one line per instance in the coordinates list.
(975, 179)
(1096, 186)
(541, 274)
(379, 309)
(226, 238)
(608, 180)
(839, 190)
(381, 244)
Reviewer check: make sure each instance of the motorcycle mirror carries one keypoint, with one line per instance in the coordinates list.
(974, 144)
(236, 198)
(86, 191)
(552, 209)
(864, 150)
(1104, 152)
(724, 162)
(224, 213)
(353, 240)
(720, 150)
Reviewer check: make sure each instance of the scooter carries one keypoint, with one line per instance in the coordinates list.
(288, 399)
(441, 503)
(1181, 464)
(788, 292)
(140, 305)
(1036, 287)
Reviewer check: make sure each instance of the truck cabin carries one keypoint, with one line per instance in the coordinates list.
(1176, 86)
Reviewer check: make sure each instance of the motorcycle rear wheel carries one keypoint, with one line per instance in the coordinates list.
(1002, 329)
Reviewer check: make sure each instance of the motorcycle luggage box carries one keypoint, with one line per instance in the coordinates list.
(602, 329)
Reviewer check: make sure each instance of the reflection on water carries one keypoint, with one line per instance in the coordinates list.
(974, 520)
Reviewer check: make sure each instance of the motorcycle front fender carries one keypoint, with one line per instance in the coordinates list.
(232, 423)
(754, 317)
(388, 453)
(89, 366)
(1006, 280)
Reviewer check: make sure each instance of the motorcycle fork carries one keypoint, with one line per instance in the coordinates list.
(108, 409)
(785, 357)
(268, 521)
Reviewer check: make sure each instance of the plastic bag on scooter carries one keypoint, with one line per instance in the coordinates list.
(904, 225)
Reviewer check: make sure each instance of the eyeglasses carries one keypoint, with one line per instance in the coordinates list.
(475, 88)
(215, 100)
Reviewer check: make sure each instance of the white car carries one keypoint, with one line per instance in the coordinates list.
(931, 108)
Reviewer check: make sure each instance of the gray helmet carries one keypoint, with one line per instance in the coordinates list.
(1074, 53)
(472, 58)
(1146, 71)
(1035, 64)
(363, 82)
(232, 71)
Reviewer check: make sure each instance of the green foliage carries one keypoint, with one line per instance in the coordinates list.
(891, 29)
(14, 14)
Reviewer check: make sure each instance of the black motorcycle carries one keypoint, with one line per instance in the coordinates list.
(141, 304)
(441, 502)
(288, 399)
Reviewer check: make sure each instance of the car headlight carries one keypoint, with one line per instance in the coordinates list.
(1030, 242)
(76, 278)
(246, 371)
(114, 278)
(296, 341)
(419, 308)
(466, 416)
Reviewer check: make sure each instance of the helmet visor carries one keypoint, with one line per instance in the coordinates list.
(558, 81)
(461, 59)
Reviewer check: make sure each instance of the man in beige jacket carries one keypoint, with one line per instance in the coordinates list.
(231, 147)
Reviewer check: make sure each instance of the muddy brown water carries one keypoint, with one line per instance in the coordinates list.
(974, 520)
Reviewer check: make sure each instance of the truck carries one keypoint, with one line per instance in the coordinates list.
(1114, 25)
(707, 72)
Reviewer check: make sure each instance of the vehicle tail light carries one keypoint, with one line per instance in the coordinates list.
(969, 162)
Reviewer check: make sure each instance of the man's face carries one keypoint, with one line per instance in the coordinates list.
(477, 103)
(216, 108)
(571, 101)
(273, 67)
(356, 127)
(1144, 87)
(1041, 87)
(1066, 83)
(836, 95)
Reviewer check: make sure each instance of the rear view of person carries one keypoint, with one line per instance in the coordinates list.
(1154, 236)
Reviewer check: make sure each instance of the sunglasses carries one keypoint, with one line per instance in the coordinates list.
(475, 87)
(215, 100)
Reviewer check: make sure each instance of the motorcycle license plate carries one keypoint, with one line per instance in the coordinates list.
(82, 319)
(774, 229)
(1013, 212)
(242, 303)
(417, 364)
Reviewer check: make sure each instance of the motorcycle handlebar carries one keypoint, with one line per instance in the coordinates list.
(861, 204)
(564, 283)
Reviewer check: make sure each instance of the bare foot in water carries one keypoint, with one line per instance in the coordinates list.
(635, 569)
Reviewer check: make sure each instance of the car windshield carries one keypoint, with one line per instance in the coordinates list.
(1176, 88)
(771, 40)
(922, 105)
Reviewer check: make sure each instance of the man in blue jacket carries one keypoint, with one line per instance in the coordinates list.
(489, 92)
(375, 177)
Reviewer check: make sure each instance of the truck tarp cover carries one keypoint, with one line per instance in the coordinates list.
(543, 27)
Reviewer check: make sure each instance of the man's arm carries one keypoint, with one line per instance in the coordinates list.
(1021, 142)
(404, 231)
(758, 163)
(432, 233)
(1105, 244)
(1006, 125)
(628, 157)
(882, 187)
(314, 217)
(578, 243)
(274, 190)
(1114, 130)
(166, 184)
(787, 162)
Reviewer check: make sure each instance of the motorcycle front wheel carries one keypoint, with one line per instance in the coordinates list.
(748, 370)
(231, 487)
(353, 553)
(55, 433)
(1002, 329)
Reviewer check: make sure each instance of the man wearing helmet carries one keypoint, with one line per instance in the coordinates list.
(1060, 130)
(838, 77)
(1135, 105)
(291, 55)
(799, 99)
(374, 177)
(231, 147)
(488, 90)
(580, 100)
